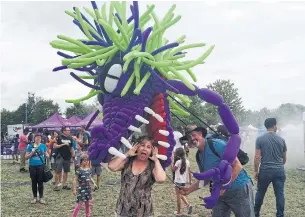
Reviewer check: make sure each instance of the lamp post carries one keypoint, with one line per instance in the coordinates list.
(26, 109)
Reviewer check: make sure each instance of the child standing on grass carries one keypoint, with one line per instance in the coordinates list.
(182, 176)
(96, 171)
(83, 192)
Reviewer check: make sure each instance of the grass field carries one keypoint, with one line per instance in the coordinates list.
(16, 195)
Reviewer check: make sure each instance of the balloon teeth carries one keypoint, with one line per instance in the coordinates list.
(164, 132)
(135, 129)
(149, 111)
(164, 144)
(158, 117)
(126, 142)
(141, 119)
(116, 152)
(161, 157)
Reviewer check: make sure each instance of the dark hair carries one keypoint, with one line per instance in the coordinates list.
(26, 131)
(63, 128)
(223, 130)
(180, 154)
(145, 137)
(83, 127)
(46, 132)
(270, 122)
(202, 130)
(17, 135)
(40, 130)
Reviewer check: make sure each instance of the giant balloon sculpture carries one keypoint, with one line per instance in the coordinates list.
(138, 77)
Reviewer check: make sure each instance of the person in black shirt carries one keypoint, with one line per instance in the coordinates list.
(64, 153)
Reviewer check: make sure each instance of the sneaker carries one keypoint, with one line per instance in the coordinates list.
(189, 209)
(177, 213)
(56, 188)
(59, 184)
(66, 187)
(96, 188)
(23, 170)
(33, 201)
(42, 201)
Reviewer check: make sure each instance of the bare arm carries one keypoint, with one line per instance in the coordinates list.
(117, 164)
(28, 155)
(158, 172)
(56, 146)
(236, 168)
(74, 184)
(257, 160)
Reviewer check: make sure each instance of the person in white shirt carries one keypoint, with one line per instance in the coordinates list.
(181, 167)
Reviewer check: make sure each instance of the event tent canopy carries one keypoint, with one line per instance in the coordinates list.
(97, 121)
(74, 119)
(55, 121)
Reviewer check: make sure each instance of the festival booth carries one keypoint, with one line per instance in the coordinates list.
(53, 122)
(97, 121)
(74, 119)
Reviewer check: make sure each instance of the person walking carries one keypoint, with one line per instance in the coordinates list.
(22, 149)
(181, 168)
(270, 158)
(36, 153)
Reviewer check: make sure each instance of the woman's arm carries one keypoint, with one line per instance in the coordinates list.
(28, 155)
(158, 172)
(118, 163)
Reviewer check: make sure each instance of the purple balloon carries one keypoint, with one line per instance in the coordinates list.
(204, 175)
(232, 148)
(228, 119)
(182, 88)
(227, 175)
(210, 96)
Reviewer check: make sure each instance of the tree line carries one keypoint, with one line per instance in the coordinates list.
(39, 109)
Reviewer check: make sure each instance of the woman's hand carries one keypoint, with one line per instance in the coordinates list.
(133, 151)
(154, 154)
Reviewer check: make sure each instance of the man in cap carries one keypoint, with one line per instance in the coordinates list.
(239, 197)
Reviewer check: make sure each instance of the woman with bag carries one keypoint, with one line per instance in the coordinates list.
(37, 153)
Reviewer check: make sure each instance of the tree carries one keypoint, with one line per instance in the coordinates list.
(80, 109)
(229, 93)
(7, 118)
(198, 108)
(43, 110)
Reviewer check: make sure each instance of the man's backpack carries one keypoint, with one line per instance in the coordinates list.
(242, 156)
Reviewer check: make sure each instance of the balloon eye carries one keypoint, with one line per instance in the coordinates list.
(112, 78)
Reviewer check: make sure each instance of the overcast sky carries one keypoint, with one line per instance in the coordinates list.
(259, 46)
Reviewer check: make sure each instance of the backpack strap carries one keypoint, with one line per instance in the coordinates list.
(211, 145)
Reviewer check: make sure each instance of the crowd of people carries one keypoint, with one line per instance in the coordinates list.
(140, 169)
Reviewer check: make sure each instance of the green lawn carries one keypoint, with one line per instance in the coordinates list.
(16, 195)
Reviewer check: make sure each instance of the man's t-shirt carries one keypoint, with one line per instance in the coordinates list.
(23, 142)
(272, 147)
(210, 160)
(65, 151)
(35, 160)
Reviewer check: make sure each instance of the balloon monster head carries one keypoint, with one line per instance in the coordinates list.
(132, 69)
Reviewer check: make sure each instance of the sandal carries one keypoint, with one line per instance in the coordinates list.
(177, 213)
(189, 209)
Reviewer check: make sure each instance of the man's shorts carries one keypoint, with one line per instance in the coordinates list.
(96, 170)
(61, 164)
